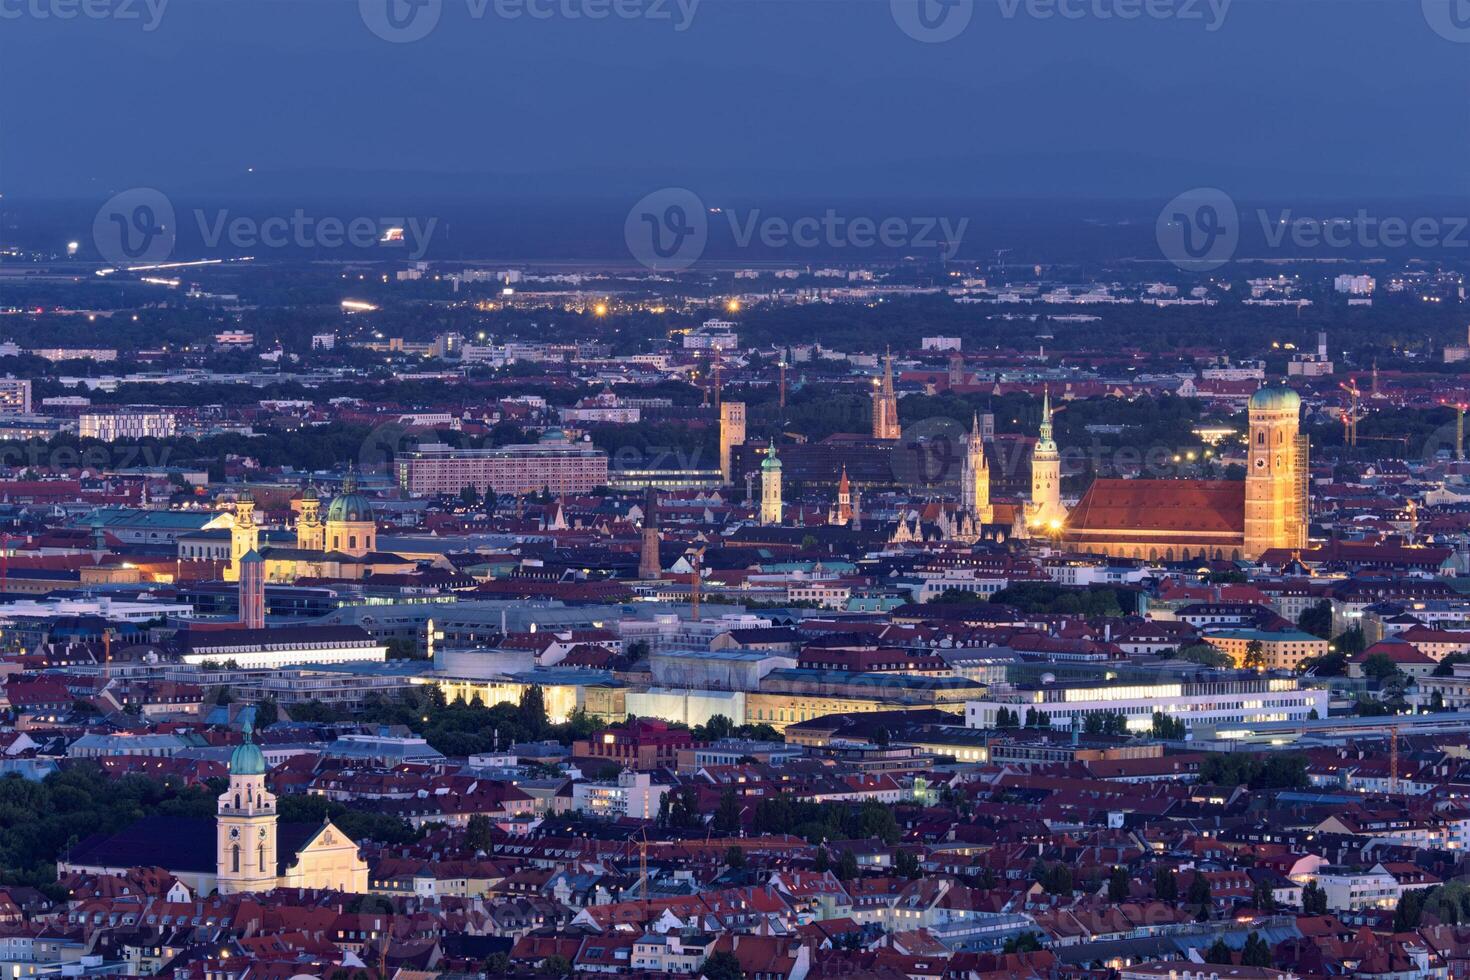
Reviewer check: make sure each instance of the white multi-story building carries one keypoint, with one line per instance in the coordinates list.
(127, 423)
(632, 794)
(554, 464)
(713, 335)
(15, 396)
(1230, 699)
(1354, 285)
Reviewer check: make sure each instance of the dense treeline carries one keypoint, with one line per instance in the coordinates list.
(40, 819)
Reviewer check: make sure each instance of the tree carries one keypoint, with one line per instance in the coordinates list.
(1379, 667)
(1219, 952)
(1317, 620)
(1026, 942)
(847, 866)
(722, 965)
(1166, 885)
(906, 864)
(716, 728)
(823, 861)
(1255, 656)
(266, 713)
(1205, 654)
(469, 497)
(735, 858)
(1165, 727)
(1118, 883)
(477, 836)
(401, 649)
(1314, 899)
(532, 710)
(1199, 894)
(1351, 641)
(1257, 951)
(555, 966)
(727, 816)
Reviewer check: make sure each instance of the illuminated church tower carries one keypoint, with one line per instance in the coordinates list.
(244, 536)
(309, 530)
(975, 478)
(245, 828)
(1046, 475)
(1276, 473)
(771, 487)
(885, 405)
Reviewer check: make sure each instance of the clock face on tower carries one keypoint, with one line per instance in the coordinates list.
(234, 833)
(262, 833)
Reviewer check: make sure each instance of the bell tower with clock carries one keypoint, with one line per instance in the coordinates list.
(245, 859)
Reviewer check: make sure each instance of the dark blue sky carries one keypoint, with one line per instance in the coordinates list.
(1287, 98)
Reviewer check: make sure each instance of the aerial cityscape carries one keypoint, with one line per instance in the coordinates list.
(734, 490)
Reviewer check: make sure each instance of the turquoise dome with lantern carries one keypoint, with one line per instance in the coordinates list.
(1276, 398)
(350, 506)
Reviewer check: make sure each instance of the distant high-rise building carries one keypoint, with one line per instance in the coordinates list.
(732, 434)
(15, 396)
(885, 405)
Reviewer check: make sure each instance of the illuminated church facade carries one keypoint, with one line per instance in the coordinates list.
(1177, 520)
(343, 546)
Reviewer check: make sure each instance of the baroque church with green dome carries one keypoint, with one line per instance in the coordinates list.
(245, 848)
(344, 545)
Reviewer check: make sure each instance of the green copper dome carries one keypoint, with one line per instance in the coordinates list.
(1276, 398)
(349, 505)
(247, 760)
(771, 462)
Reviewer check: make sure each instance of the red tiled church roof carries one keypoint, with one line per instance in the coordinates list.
(1178, 506)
